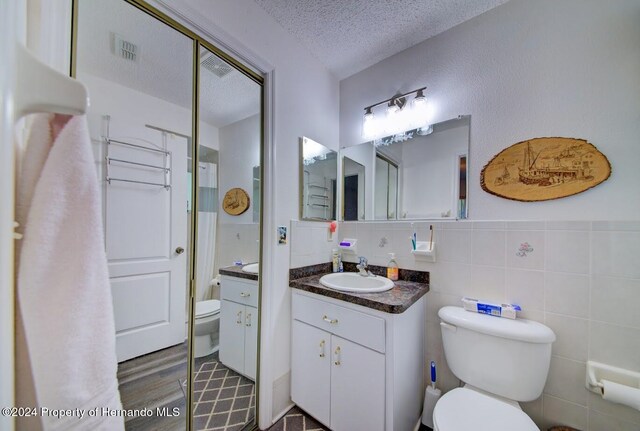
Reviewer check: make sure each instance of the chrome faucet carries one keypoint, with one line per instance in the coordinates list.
(363, 267)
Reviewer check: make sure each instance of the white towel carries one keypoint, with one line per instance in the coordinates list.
(64, 297)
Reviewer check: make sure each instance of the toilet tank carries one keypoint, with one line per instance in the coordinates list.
(502, 356)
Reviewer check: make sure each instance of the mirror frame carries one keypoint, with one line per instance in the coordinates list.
(198, 41)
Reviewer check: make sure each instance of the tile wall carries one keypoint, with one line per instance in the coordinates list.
(582, 279)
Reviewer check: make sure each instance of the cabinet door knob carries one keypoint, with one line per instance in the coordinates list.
(239, 320)
(247, 319)
(322, 348)
(337, 356)
(330, 320)
(179, 250)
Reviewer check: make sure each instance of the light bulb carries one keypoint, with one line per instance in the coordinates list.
(368, 125)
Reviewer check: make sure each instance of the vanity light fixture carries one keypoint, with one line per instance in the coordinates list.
(404, 118)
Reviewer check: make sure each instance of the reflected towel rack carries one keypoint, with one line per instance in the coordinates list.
(166, 154)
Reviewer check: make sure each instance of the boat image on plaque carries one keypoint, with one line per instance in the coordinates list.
(542, 169)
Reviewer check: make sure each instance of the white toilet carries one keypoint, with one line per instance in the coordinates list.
(207, 327)
(501, 361)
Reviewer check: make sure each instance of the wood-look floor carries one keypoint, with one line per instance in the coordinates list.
(153, 381)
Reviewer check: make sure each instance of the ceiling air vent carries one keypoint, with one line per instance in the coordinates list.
(215, 65)
(124, 49)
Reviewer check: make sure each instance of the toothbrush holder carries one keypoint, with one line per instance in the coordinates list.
(425, 251)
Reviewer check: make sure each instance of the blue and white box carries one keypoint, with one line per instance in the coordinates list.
(498, 310)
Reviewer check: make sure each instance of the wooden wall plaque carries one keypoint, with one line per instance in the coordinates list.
(236, 201)
(542, 169)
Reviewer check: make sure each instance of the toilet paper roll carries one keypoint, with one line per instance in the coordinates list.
(621, 394)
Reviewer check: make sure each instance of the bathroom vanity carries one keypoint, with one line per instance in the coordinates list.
(357, 359)
(239, 321)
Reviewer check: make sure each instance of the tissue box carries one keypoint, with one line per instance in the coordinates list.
(498, 310)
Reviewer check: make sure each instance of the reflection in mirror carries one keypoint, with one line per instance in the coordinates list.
(319, 172)
(422, 177)
(226, 328)
(353, 190)
(140, 122)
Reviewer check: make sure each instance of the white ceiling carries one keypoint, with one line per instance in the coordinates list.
(348, 36)
(164, 65)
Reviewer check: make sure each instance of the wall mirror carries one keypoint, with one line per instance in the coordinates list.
(318, 178)
(162, 231)
(423, 176)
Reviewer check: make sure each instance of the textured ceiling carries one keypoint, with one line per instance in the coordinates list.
(164, 65)
(348, 36)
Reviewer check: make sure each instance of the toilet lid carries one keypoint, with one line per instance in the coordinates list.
(207, 308)
(464, 409)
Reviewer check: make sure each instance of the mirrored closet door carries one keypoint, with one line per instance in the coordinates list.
(181, 211)
(228, 244)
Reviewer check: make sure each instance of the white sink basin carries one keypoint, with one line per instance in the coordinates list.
(252, 268)
(354, 282)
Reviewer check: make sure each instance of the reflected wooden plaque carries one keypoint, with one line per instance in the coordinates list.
(542, 169)
(236, 201)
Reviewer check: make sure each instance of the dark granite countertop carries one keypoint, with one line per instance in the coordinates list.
(411, 286)
(236, 271)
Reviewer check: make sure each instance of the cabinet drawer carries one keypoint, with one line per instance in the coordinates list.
(353, 325)
(238, 290)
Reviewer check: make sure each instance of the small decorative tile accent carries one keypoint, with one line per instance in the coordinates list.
(524, 249)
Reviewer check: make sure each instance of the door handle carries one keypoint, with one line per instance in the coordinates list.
(239, 320)
(245, 295)
(322, 348)
(247, 319)
(337, 356)
(179, 250)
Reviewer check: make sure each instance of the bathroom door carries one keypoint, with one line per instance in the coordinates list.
(145, 230)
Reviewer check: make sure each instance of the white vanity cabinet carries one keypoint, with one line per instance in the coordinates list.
(355, 368)
(239, 324)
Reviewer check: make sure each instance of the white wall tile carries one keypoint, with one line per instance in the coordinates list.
(517, 257)
(534, 410)
(616, 300)
(567, 251)
(615, 345)
(567, 294)
(525, 288)
(560, 412)
(616, 254)
(625, 413)
(600, 422)
(488, 247)
(526, 225)
(629, 226)
(492, 225)
(568, 225)
(572, 336)
(487, 282)
(451, 278)
(566, 380)
(454, 246)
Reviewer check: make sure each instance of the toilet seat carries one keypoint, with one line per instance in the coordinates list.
(207, 308)
(463, 409)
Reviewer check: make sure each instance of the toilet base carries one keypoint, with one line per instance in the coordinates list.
(205, 345)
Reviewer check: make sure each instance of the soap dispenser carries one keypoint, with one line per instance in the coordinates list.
(392, 268)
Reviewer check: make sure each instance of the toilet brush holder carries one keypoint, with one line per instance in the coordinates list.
(431, 397)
